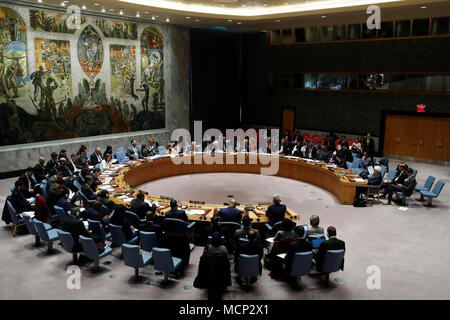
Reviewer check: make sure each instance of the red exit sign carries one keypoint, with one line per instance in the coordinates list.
(421, 108)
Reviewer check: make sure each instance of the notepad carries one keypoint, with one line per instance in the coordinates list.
(281, 255)
(270, 240)
(29, 213)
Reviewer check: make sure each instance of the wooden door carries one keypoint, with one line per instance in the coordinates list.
(393, 134)
(427, 139)
(410, 136)
(443, 140)
(288, 119)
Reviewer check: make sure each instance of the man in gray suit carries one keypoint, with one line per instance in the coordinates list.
(132, 151)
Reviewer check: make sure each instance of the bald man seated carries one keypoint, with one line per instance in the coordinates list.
(230, 214)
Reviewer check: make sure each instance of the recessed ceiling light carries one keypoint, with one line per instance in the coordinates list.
(137, 15)
(230, 20)
(40, 1)
(83, 7)
(103, 10)
(423, 7)
(111, 9)
(277, 20)
(239, 22)
(146, 12)
(153, 18)
(167, 20)
(243, 5)
(121, 12)
(265, 4)
(96, 4)
(286, 3)
(196, 20)
(63, 4)
(323, 17)
(188, 17)
(157, 16)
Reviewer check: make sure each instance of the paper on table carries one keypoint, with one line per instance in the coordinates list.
(403, 208)
(196, 212)
(29, 213)
(127, 199)
(270, 240)
(152, 202)
(281, 255)
(86, 224)
(359, 180)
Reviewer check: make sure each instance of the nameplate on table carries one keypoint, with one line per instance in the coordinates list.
(195, 212)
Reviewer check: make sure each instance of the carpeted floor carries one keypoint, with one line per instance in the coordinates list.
(410, 247)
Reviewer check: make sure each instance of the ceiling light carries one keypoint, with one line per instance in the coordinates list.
(83, 7)
(40, 1)
(277, 20)
(111, 9)
(153, 18)
(188, 17)
(63, 4)
(137, 15)
(157, 16)
(286, 3)
(239, 22)
(423, 7)
(96, 4)
(196, 20)
(167, 20)
(121, 12)
(103, 10)
(323, 17)
(265, 4)
(146, 12)
(243, 5)
(230, 20)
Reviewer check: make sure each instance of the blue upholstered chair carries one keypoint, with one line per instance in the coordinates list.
(118, 237)
(332, 263)
(60, 212)
(43, 188)
(32, 228)
(163, 261)
(426, 186)
(415, 172)
(132, 258)
(47, 235)
(161, 150)
(81, 176)
(68, 243)
(273, 229)
(301, 265)
(248, 267)
(433, 194)
(91, 251)
(135, 220)
(316, 240)
(77, 185)
(92, 223)
(177, 227)
(229, 229)
(17, 220)
(86, 202)
(148, 240)
(391, 174)
(122, 157)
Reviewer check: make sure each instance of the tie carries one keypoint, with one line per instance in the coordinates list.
(29, 183)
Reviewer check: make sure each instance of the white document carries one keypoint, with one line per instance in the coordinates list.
(86, 224)
(195, 212)
(281, 255)
(360, 180)
(370, 169)
(403, 208)
(270, 240)
(29, 213)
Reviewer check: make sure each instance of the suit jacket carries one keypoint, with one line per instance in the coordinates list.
(365, 163)
(80, 160)
(213, 273)
(177, 214)
(50, 165)
(76, 228)
(140, 208)
(63, 203)
(330, 244)
(276, 212)
(400, 177)
(242, 233)
(369, 147)
(144, 154)
(299, 245)
(230, 214)
(250, 249)
(374, 180)
(51, 182)
(24, 178)
(19, 202)
(72, 167)
(409, 185)
(132, 154)
(313, 151)
(87, 191)
(93, 159)
(107, 203)
(321, 157)
(39, 172)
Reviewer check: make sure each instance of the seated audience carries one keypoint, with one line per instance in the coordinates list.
(29, 182)
(230, 214)
(76, 228)
(144, 153)
(103, 197)
(407, 187)
(250, 247)
(332, 243)
(118, 218)
(96, 157)
(71, 164)
(106, 162)
(246, 228)
(214, 269)
(169, 149)
(373, 180)
(399, 178)
(276, 211)
(51, 164)
(86, 188)
(298, 245)
(132, 151)
(140, 207)
(286, 232)
(108, 150)
(81, 157)
(18, 199)
(40, 172)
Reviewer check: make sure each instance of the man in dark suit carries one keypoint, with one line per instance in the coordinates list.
(29, 182)
(311, 151)
(103, 197)
(407, 187)
(276, 211)
(96, 157)
(71, 163)
(399, 178)
(87, 190)
(250, 247)
(57, 178)
(175, 213)
(132, 151)
(18, 200)
(246, 228)
(64, 168)
(40, 172)
(320, 155)
(299, 245)
(82, 157)
(332, 243)
(52, 162)
(230, 214)
(368, 145)
(140, 207)
(373, 180)
(95, 175)
(76, 228)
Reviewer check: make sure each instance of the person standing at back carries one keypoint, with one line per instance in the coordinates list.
(230, 214)
(175, 213)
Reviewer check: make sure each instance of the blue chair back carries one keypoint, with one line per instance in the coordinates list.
(349, 165)
(133, 218)
(120, 149)
(174, 227)
(276, 227)
(30, 226)
(429, 183)
(301, 264)
(81, 176)
(43, 188)
(316, 240)
(383, 170)
(391, 174)
(66, 240)
(438, 187)
(60, 212)
(41, 230)
(248, 265)
(77, 185)
(161, 150)
(12, 188)
(414, 173)
(131, 256)
(333, 260)
(88, 155)
(13, 213)
(148, 240)
(118, 237)
(92, 223)
(355, 163)
(139, 147)
(230, 227)
(162, 260)
(104, 211)
(89, 248)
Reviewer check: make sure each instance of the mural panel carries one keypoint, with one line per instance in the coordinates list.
(90, 51)
(52, 22)
(152, 70)
(13, 56)
(123, 71)
(117, 29)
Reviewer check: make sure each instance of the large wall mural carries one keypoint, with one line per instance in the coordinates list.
(68, 92)
(152, 69)
(52, 22)
(117, 29)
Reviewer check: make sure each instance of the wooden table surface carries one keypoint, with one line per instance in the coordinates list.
(130, 175)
